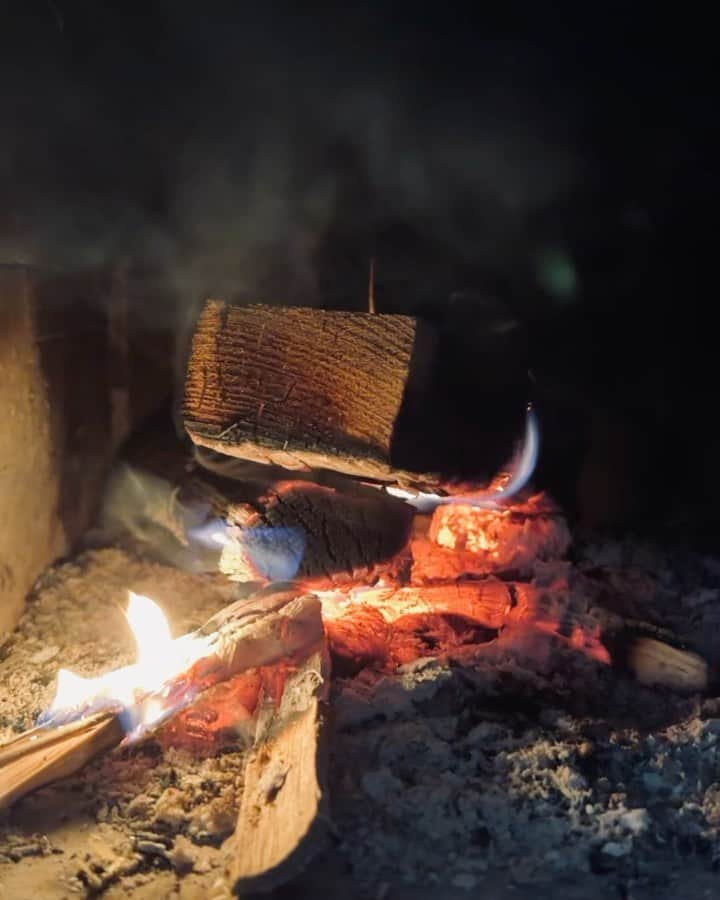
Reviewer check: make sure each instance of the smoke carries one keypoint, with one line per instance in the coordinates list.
(225, 147)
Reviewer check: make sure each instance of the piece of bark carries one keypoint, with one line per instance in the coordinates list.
(270, 627)
(67, 405)
(304, 388)
(283, 819)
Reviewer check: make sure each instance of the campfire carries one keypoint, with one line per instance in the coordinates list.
(344, 583)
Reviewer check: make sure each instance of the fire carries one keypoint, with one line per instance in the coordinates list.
(139, 690)
(475, 531)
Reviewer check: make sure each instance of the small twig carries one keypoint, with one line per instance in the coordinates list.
(371, 287)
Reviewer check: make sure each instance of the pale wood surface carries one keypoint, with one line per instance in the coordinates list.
(30, 533)
(656, 663)
(68, 398)
(41, 756)
(283, 819)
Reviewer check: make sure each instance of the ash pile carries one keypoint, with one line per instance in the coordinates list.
(533, 768)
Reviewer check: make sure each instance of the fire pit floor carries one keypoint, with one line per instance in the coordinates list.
(519, 768)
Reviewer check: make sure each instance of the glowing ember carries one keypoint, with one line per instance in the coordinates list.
(139, 690)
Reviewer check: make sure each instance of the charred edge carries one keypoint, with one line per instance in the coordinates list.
(619, 645)
(513, 595)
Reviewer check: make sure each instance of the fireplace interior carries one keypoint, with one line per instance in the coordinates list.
(358, 489)
(397, 678)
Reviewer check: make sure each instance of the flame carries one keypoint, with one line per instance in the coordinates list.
(263, 553)
(506, 485)
(141, 690)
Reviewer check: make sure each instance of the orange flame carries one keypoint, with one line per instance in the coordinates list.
(140, 690)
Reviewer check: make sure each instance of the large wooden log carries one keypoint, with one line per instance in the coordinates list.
(304, 388)
(68, 398)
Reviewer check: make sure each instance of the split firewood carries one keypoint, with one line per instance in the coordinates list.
(656, 663)
(305, 388)
(42, 755)
(272, 626)
(283, 819)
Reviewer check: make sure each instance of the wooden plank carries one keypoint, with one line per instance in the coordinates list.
(67, 406)
(304, 388)
(30, 532)
(283, 819)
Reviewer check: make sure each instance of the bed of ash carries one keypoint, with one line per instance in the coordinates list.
(518, 769)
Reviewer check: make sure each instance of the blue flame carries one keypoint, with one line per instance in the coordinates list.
(275, 553)
(521, 470)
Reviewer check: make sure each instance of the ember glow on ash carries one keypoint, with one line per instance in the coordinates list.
(504, 486)
(140, 692)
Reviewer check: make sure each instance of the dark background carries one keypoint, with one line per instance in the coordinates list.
(537, 181)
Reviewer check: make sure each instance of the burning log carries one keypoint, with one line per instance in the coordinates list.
(283, 819)
(463, 540)
(260, 532)
(304, 388)
(361, 625)
(260, 632)
(338, 535)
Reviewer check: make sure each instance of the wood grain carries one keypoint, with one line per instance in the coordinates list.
(303, 388)
(272, 627)
(283, 819)
(43, 755)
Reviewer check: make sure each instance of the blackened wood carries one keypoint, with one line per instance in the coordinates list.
(348, 529)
